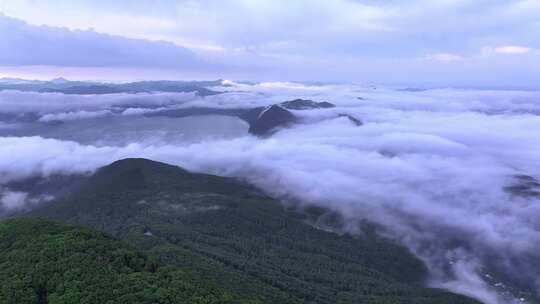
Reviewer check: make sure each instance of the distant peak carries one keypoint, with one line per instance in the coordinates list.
(134, 161)
(138, 163)
(59, 80)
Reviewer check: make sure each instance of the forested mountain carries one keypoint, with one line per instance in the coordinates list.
(230, 234)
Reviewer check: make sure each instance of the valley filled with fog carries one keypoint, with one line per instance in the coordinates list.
(452, 174)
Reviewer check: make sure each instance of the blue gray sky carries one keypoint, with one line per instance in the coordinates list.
(482, 43)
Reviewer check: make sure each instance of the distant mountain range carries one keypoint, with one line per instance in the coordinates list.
(220, 231)
(61, 85)
(263, 121)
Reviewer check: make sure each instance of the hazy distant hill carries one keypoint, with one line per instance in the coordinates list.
(229, 233)
(84, 87)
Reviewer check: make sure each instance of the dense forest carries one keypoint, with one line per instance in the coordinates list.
(46, 262)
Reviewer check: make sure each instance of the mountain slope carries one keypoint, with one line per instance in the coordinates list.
(264, 121)
(47, 262)
(228, 232)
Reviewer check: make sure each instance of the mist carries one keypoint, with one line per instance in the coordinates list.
(431, 167)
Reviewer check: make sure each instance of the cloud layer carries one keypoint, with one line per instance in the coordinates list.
(431, 167)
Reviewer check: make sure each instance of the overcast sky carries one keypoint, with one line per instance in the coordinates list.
(478, 43)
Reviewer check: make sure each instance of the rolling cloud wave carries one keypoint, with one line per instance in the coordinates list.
(432, 168)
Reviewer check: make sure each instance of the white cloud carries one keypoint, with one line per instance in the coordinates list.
(13, 102)
(139, 111)
(512, 49)
(13, 200)
(17, 200)
(67, 116)
(444, 57)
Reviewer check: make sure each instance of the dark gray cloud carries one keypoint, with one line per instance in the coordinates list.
(24, 44)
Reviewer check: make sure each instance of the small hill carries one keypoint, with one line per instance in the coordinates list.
(305, 104)
(47, 262)
(264, 121)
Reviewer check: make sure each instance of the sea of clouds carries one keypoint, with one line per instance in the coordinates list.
(430, 166)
